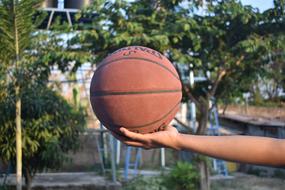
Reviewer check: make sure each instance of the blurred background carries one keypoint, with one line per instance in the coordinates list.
(230, 58)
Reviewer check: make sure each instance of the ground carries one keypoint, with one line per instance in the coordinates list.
(82, 181)
(248, 182)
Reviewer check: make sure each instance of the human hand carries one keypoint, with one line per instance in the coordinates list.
(167, 138)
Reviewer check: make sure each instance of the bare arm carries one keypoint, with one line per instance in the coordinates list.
(248, 149)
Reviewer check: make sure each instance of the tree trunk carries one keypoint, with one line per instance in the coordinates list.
(202, 130)
(225, 108)
(204, 115)
(18, 138)
(204, 175)
(28, 179)
(18, 105)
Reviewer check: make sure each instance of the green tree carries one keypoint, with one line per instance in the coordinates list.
(233, 41)
(51, 128)
(15, 33)
(26, 56)
(272, 79)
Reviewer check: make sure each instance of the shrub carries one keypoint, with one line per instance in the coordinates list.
(183, 176)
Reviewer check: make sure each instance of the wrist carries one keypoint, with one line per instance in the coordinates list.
(178, 142)
(182, 141)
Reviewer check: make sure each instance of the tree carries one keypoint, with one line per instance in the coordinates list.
(25, 58)
(119, 24)
(15, 33)
(233, 40)
(51, 128)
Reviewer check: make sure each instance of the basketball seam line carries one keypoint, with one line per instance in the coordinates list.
(114, 93)
(138, 58)
(153, 122)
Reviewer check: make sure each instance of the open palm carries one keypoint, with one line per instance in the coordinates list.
(166, 138)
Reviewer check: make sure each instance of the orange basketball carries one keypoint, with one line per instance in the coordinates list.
(135, 87)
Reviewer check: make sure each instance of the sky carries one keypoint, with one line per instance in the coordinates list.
(260, 4)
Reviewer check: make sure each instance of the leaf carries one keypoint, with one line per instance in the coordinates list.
(186, 27)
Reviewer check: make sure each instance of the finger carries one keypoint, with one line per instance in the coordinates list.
(134, 143)
(170, 128)
(127, 140)
(120, 137)
(133, 136)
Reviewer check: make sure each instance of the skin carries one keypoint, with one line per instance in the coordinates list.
(246, 149)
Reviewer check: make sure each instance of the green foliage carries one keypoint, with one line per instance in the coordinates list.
(229, 40)
(16, 26)
(51, 52)
(279, 174)
(142, 183)
(27, 54)
(121, 23)
(51, 128)
(2, 187)
(183, 176)
(3, 93)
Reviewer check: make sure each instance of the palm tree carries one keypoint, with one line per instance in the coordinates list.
(16, 29)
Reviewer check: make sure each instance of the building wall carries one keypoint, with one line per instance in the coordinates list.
(87, 158)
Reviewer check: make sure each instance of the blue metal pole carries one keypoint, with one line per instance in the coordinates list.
(113, 162)
(137, 161)
(127, 161)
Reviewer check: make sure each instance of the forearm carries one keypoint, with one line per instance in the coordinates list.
(248, 149)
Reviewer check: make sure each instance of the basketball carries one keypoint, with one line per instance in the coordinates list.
(137, 88)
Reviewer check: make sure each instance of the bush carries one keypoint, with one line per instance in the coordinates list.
(142, 183)
(50, 129)
(183, 176)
